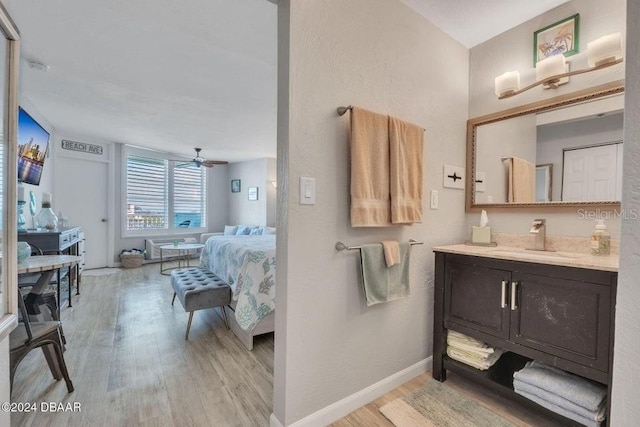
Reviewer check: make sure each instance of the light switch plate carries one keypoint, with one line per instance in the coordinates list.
(453, 177)
(307, 191)
(480, 182)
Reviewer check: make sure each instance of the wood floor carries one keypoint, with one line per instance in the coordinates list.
(131, 366)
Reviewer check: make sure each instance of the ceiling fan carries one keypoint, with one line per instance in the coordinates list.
(199, 161)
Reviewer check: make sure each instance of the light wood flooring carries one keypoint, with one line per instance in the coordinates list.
(131, 366)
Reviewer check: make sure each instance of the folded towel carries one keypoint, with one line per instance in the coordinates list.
(560, 383)
(562, 402)
(391, 252)
(522, 181)
(405, 171)
(481, 363)
(382, 283)
(464, 342)
(370, 205)
(558, 410)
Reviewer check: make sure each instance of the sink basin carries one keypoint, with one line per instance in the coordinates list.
(541, 255)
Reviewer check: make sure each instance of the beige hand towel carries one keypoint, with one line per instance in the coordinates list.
(370, 206)
(391, 252)
(522, 181)
(405, 171)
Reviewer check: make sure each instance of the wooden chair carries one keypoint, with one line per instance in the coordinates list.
(45, 335)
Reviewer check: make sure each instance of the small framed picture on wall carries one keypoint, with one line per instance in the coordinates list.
(253, 193)
(235, 185)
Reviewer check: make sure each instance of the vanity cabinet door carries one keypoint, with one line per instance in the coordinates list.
(562, 317)
(476, 297)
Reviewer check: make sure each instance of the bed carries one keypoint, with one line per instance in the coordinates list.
(248, 265)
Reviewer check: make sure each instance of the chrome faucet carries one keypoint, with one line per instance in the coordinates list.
(539, 230)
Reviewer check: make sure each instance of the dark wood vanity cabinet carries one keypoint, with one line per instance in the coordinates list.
(562, 316)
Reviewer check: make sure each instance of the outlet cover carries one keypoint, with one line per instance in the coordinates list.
(453, 177)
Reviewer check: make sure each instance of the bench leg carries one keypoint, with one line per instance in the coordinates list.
(186, 336)
(224, 315)
(174, 298)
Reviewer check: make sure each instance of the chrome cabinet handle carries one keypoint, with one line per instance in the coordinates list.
(514, 287)
(503, 297)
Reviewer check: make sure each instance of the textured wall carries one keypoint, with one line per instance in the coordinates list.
(253, 173)
(381, 55)
(626, 364)
(512, 50)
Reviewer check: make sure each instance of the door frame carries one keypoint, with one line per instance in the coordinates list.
(106, 159)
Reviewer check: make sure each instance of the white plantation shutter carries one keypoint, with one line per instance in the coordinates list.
(189, 196)
(161, 195)
(147, 193)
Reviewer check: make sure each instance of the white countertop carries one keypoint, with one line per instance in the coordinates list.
(565, 259)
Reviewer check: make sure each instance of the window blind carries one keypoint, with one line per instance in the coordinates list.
(147, 193)
(189, 196)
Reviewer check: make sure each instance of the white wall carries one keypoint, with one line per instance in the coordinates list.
(217, 198)
(254, 173)
(5, 394)
(626, 363)
(378, 54)
(271, 191)
(512, 50)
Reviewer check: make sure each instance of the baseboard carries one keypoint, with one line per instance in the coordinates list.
(339, 409)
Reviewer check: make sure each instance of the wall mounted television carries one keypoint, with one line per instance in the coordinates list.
(33, 143)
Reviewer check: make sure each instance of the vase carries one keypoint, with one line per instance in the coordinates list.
(24, 251)
(46, 218)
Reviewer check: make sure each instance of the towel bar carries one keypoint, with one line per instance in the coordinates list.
(342, 111)
(341, 246)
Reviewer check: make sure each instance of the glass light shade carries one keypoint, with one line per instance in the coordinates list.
(551, 66)
(507, 83)
(605, 49)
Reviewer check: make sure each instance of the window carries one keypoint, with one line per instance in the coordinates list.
(163, 195)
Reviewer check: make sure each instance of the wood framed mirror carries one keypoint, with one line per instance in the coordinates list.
(509, 151)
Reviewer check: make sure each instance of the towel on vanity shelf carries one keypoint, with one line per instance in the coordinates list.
(481, 362)
(563, 384)
(522, 181)
(405, 171)
(382, 283)
(559, 410)
(370, 206)
(391, 252)
(464, 342)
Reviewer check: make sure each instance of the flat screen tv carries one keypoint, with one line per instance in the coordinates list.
(33, 143)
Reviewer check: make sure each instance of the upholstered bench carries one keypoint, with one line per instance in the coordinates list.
(198, 288)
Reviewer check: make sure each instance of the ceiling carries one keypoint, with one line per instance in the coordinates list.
(472, 22)
(163, 74)
(174, 75)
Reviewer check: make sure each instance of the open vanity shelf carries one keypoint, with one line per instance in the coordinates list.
(562, 316)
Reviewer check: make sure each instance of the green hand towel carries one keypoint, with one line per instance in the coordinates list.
(382, 283)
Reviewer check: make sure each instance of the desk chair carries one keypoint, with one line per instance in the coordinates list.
(46, 335)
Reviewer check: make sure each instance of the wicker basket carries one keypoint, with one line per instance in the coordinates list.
(131, 260)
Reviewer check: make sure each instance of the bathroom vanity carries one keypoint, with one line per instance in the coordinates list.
(554, 307)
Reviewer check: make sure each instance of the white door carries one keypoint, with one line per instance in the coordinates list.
(82, 187)
(591, 174)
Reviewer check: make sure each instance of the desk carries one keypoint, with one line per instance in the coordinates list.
(184, 252)
(46, 265)
(59, 241)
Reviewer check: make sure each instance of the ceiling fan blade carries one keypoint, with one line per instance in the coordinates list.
(212, 163)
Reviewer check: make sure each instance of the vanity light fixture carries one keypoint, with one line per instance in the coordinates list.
(554, 71)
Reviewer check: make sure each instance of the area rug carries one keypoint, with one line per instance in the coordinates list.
(438, 405)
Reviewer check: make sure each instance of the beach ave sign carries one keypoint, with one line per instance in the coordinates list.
(82, 147)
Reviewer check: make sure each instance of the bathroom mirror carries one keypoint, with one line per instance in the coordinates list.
(564, 151)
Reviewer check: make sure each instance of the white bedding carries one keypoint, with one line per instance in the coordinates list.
(248, 265)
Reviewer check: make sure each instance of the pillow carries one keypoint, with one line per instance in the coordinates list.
(268, 230)
(256, 231)
(230, 230)
(243, 230)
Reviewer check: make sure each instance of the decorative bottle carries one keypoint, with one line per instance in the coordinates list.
(601, 240)
(46, 218)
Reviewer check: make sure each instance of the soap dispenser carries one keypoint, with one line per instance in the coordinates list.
(601, 240)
